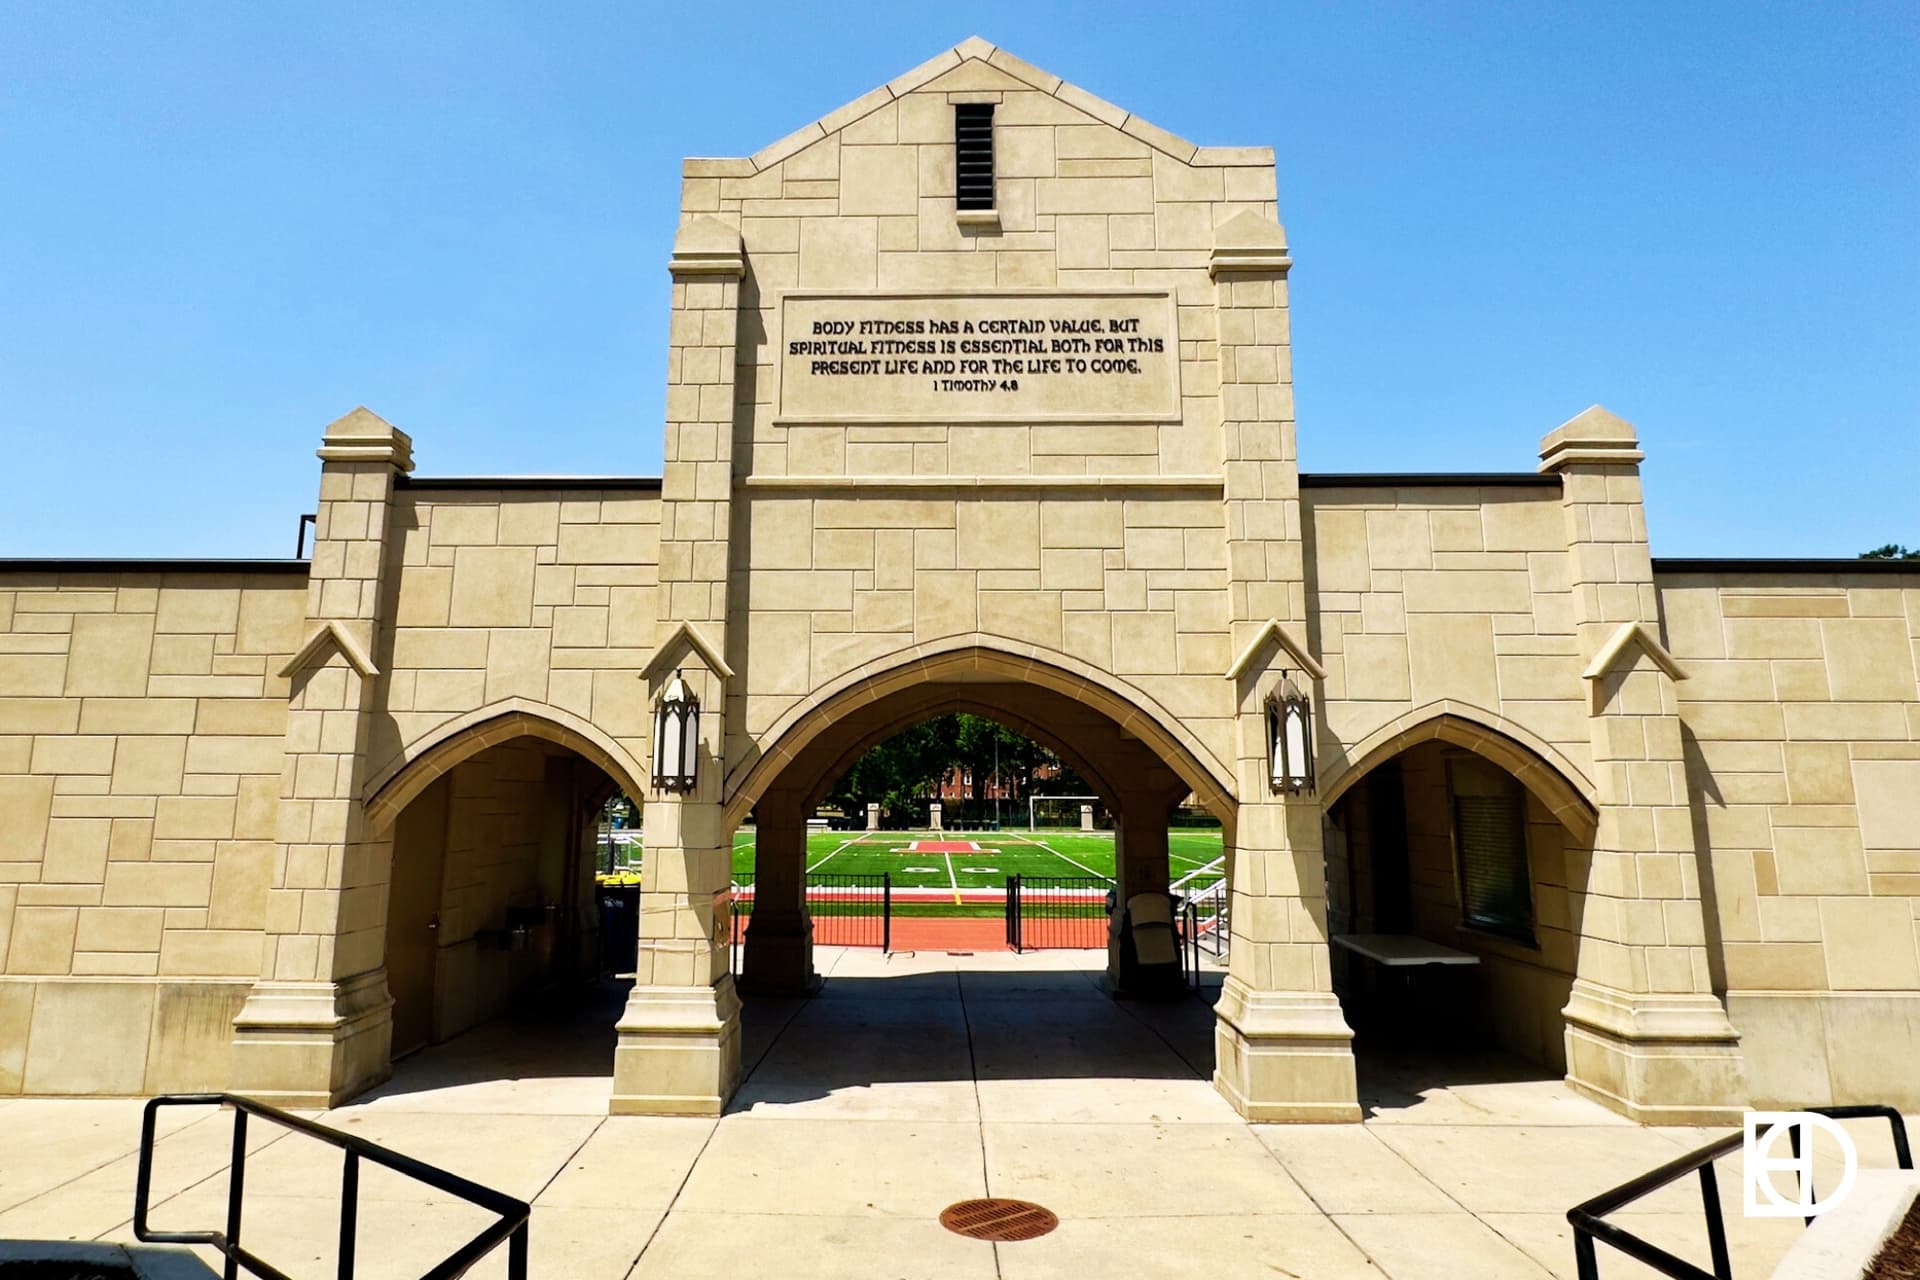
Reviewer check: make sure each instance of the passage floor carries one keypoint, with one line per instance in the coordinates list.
(908, 1083)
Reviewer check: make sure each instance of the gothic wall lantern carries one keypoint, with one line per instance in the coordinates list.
(676, 737)
(1290, 739)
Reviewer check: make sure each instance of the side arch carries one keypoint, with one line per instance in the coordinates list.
(1542, 767)
(465, 736)
(977, 657)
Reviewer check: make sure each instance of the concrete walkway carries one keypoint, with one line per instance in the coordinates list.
(910, 1082)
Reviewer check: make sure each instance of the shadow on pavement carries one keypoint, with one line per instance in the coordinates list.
(71, 1260)
(561, 1033)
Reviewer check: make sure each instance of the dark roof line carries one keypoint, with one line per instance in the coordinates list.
(1832, 566)
(641, 483)
(69, 564)
(1429, 480)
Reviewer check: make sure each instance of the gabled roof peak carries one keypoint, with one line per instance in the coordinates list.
(1009, 71)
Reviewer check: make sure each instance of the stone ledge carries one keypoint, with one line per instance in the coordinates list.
(1843, 1241)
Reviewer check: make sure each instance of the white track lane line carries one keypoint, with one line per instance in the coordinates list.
(1064, 858)
(843, 847)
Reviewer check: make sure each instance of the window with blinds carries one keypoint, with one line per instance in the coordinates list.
(1490, 845)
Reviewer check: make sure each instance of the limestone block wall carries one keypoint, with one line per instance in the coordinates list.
(545, 596)
(1105, 540)
(1801, 720)
(1087, 197)
(141, 736)
(1456, 594)
(1131, 583)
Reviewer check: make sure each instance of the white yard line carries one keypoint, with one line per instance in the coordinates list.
(1064, 858)
(953, 880)
(844, 845)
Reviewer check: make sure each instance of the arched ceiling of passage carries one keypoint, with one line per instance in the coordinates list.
(979, 659)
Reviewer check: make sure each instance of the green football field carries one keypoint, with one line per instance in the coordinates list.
(965, 872)
(993, 857)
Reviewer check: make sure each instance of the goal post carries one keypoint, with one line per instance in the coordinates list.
(1069, 813)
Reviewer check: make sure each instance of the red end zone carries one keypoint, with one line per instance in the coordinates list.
(942, 846)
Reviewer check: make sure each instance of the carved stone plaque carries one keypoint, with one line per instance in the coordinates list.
(1058, 356)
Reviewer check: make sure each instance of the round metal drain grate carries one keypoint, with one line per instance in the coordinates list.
(998, 1219)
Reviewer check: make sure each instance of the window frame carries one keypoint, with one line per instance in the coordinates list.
(963, 201)
(1520, 932)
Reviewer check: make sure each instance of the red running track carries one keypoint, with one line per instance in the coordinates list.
(945, 933)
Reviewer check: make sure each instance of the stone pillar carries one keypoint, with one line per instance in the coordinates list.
(317, 1027)
(1282, 1049)
(679, 1047)
(1139, 861)
(779, 944)
(1086, 817)
(873, 817)
(1645, 1033)
(933, 816)
(679, 1038)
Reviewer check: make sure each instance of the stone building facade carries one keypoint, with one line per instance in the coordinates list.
(265, 824)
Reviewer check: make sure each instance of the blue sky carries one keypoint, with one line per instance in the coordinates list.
(223, 226)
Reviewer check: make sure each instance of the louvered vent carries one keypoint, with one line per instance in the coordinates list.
(973, 143)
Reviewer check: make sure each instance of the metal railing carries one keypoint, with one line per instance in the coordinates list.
(1190, 943)
(852, 910)
(847, 910)
(739, 915)
(1057, 911)
(511, 1228)
(1589, 1218)
(1208, 926)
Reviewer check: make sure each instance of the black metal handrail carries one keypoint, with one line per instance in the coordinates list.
(1588, 1218)
(1190, 943)
(512, 1226)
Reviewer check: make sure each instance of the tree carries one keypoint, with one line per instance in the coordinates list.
(908, 766)
(1892, 551)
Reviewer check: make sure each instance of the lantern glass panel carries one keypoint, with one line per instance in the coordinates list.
(1276, 748)
(689, 742)
(666, 745)
(1294, 723)
(676, 737)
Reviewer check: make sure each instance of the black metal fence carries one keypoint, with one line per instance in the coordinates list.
(847, 910)
(851, 910)
(510, 1227)
(1590, 1224)
(1046, 912)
